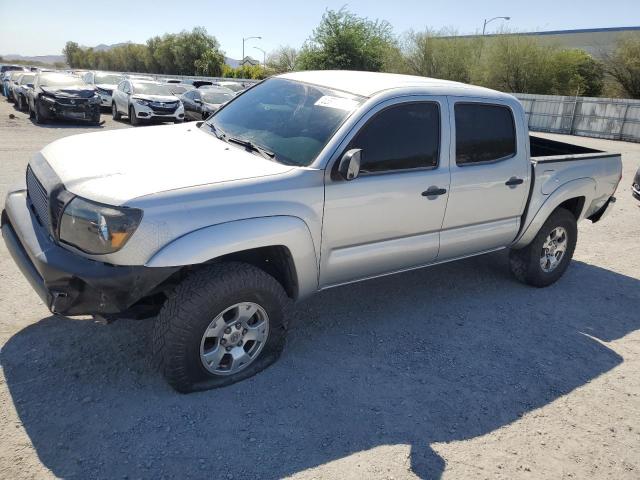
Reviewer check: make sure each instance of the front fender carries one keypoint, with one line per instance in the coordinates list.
(581, 187)
(211, 242)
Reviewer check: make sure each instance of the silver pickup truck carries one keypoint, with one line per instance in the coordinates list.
(304, 182)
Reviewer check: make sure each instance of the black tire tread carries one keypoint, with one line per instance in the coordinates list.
(525, 263)
(187, 301)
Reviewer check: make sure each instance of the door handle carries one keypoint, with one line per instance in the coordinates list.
(434, 191)
(513, 181)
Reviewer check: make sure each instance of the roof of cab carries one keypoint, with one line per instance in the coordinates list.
(367, 84)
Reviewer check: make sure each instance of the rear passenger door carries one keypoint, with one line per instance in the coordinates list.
(489, 177)
(384, 220)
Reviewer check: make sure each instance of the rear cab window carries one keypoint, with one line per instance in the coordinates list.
(484, 133)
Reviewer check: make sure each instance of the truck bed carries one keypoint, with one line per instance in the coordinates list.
(544, 150)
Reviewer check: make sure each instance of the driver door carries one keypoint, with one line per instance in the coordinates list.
(389, 217)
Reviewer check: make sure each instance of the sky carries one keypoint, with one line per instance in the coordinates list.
(45, 26)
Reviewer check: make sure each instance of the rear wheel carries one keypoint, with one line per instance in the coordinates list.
(546, 258)
(114, 112)
(19, 103)
(222, 324)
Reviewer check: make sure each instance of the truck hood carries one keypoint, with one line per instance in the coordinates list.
(117, 166)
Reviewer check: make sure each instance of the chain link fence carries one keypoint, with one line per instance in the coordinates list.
(610, 118)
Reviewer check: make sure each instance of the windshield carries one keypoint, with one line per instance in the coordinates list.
(178, 89)
(291, 119)
(236, 87)
(60, 80)
(152, 88)
(27, 78)
(107, 78)
(216, 97)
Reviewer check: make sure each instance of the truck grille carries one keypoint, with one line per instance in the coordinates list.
(38, 197)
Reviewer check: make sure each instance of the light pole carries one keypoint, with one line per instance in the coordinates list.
(244, 39)
(264, 57)
(484, 27)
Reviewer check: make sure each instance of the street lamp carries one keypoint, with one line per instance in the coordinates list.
(484, 27)
(244, 39)
(264, 57)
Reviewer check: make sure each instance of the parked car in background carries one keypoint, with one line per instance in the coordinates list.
(7, 82)
(200, 103)
(63, 96)
(4, 72)
(308, 181)
(635, 186)
(11, 81)
(21, 89)
(143, 101)
(105, 84)
(170, 80)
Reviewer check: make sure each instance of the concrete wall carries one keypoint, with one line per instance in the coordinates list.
(611, 118)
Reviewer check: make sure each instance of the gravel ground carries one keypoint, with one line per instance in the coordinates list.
(456, 371)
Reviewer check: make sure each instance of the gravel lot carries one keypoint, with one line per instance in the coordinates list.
(456, 371)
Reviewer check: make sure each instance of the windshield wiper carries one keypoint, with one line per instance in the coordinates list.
(217, 132)
(253, 147)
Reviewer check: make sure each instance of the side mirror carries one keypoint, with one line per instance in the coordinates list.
(198, 101)
(29, 85)
(349, 166)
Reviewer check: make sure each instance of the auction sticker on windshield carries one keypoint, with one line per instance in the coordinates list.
(337, 102)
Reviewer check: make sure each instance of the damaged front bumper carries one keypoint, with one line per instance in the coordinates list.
(68, 283)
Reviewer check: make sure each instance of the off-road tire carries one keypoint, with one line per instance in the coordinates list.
(115, 113)
(525, 262)
(191, 307)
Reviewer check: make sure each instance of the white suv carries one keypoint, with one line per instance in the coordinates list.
(145, 100)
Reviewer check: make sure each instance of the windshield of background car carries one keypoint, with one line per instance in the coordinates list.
(291, 119)
(27, 78)
(107, 78)
(216, 97)
(60, 80)
(179, 89)
(152, 88)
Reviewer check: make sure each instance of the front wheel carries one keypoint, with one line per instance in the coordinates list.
(222, 324)
(114, 112)
(19, 103)
(38, 117)
(546, 258)
(133, 119)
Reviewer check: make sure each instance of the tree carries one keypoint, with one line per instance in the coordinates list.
(516, 63)
(210, 63)
(72, 53)
(344, 40)
(623, 65)
(442, 55)
(282, 59)
(576, 72)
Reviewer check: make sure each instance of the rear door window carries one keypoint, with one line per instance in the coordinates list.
(484, 133)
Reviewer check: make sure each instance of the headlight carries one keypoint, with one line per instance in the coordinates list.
(48, 98)
(142, 102)
(95, 99)
(96, 228)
